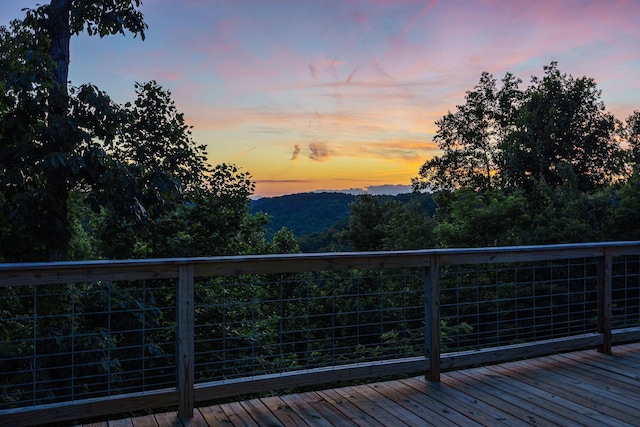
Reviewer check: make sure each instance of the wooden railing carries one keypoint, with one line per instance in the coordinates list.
(187, 392)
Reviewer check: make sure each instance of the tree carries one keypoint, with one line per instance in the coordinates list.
(158, 139)
(408, 227)
(632, 136)
(154, 163)
(45, 151)
(83, 176)
(470, 138)
(554, 132)
(532, 166)
(135, 165)
(214, 219)
(384, 224)
(366, 222)
(468, 218)
(562, 134)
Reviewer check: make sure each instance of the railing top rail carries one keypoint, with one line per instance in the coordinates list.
(12, 274)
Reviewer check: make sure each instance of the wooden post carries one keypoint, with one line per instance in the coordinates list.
(184, 342)
(605, 306)
(432, 318)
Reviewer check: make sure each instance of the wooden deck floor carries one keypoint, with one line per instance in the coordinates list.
(582, 388)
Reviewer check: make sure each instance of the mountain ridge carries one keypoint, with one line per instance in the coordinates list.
(315, 212)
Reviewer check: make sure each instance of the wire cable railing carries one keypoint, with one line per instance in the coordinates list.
(93, 338)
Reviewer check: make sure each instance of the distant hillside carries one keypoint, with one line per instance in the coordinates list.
(308, 213)
(304, 213)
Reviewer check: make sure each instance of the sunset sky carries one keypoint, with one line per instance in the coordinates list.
(333, 95)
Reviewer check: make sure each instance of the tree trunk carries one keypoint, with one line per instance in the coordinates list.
(59, 140)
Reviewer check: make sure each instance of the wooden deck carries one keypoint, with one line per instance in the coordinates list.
(580, 388)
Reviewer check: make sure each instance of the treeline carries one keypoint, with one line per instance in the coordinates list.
(319, 221)
(539, 165)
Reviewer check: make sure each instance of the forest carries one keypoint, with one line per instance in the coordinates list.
(83, 177)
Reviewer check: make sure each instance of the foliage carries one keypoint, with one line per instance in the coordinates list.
(474, 219)
(555, 131)
(303, 213)
(329, 240)
(562, 134)
(367, 219)
(320, 220)
(623, 218)
(383, 223)
(632, 137)
(85, 177)
(547, 164)
(46, 150)
(470, 138)
(157, 140)
(213, 220)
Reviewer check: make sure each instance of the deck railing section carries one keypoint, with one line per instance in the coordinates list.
(83, 339)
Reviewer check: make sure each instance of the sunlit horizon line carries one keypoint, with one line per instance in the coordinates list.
(391, 189)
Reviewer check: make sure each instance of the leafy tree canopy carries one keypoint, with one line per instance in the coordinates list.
(543, 164)
(555, 131)
(83, 176)
(377, 223)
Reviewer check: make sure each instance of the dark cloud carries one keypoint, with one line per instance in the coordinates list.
(296, 152)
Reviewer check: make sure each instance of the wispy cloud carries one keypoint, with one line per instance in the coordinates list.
(244, 153)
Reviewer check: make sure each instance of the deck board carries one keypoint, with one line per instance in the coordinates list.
(516, 415)
(578, 388)
(534, 400)
(307, 412)
(605, 410)
(463, 408)
(349, 408)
